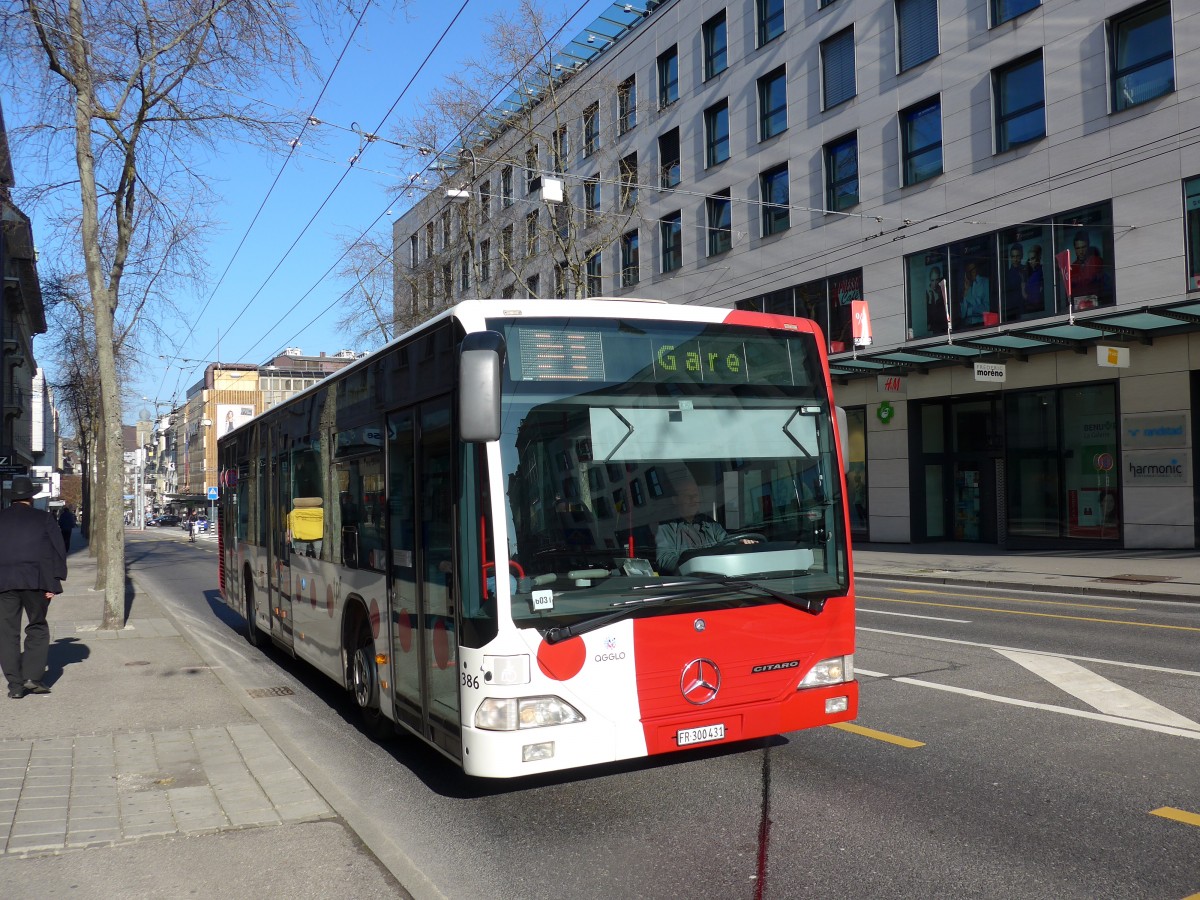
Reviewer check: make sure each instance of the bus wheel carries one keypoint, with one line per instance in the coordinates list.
(253, 634)
(363, 681)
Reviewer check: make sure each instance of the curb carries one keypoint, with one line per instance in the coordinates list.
(1008, 584)
(384, 848)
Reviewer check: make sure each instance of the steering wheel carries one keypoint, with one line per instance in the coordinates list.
(741, 536)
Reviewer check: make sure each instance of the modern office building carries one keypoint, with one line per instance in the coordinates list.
(1013, 187)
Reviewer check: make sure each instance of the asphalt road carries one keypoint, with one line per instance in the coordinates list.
(1009, 746)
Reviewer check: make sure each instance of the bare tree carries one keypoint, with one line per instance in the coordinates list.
(515, 119)
(366, 307)
(72, 355)
(137, 91)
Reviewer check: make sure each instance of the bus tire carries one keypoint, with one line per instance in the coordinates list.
(364, 681)
(254, 635)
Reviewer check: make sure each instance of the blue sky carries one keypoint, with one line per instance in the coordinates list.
(293, 295)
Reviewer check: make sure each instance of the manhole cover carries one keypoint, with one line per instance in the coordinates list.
(1138, 579)
(258, 693)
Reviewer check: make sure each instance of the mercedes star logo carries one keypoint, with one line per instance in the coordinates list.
(700, 681)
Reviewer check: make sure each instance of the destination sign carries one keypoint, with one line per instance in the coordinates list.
(662, 352)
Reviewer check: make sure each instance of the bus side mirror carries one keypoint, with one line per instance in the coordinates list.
(479, 358)
(843, 423)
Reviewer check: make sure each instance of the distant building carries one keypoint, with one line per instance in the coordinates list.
(182, 452)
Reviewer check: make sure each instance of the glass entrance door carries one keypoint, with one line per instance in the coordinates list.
(424, 630)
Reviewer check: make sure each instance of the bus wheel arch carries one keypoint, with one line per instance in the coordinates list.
(359, 665)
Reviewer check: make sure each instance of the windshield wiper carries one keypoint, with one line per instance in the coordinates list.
(629, 607)
(701, 588)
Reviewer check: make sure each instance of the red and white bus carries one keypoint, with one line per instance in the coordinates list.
(544, 534)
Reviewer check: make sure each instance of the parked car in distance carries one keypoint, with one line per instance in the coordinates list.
(164, 521)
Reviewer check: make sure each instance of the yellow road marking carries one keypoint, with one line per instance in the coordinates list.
(878, 735)
(1026, 612)
(1179, 815)
(1019, 600)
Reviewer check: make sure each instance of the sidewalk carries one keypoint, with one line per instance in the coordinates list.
(1135, 574)
(142, 751)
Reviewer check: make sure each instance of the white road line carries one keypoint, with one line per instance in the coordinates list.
(888, 612)
(1097, 692)
(1013, 701)
(1087, 659)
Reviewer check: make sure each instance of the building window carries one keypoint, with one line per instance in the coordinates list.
(1003, 10)
(627, 104)
(719, 214)
(464, 274)
(1142, 63)
(533, 174)
(668, 158)
(533, 286)
(591, 198)
(1084, 260)
(772, 104)
(445, 222)
(559, 149)
(921, 140)
(1020, 97)
(447, 281)
(594, 274)
(629, 177)
(837, 68)
(506, 186)
(841, 173)
(412, 251)
(630, 268)
(485, 200)
(506, 244)
(773, 188)
(668, 77)
(591, 129)
(716, 46)
(671, 232)
(916, 31)
(770, 20)
(485, 261)
(429, 232)
(531, 233)
(716, 134)
(1191, 205)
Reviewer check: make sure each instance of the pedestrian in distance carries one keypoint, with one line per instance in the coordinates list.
(66, 521)
(192, 529)
(33, 563)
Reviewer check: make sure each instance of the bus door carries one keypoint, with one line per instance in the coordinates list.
(424, 631)
(280, 559)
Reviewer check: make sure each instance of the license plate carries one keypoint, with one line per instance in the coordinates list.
(700, 735)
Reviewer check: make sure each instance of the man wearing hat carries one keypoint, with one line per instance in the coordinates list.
(33, 562)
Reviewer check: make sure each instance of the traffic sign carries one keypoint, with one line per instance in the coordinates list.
(212, 493)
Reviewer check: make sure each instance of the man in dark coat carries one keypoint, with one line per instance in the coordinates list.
(33, 562)
(66, 521)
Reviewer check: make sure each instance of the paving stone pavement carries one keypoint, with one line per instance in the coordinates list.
(91, 790)
(169, 752)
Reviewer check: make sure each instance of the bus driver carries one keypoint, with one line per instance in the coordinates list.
(693, 529)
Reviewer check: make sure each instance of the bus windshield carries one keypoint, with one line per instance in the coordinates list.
(666, 462)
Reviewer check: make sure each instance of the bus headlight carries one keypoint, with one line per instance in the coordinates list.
(511, 714)
(835, 670)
